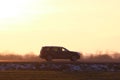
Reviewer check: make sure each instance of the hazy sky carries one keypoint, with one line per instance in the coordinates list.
(80, 25)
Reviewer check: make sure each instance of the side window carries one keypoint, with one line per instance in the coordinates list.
(55, 49)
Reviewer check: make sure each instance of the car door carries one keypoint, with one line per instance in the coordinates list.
(64, 53)
(55, 53)
(59, 54)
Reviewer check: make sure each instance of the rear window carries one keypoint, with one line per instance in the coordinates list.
(45, 49)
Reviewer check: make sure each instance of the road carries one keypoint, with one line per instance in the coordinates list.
(60, 62)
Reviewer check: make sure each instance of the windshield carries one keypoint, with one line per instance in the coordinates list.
(64, 49)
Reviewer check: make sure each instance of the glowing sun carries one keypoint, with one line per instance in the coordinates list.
(11, 8)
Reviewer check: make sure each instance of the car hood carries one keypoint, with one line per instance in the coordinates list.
(78, 53)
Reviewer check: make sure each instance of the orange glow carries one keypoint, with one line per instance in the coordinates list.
(80, 25)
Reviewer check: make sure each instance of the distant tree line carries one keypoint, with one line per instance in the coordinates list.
(106, 57)
(115, 57)
(27, 57)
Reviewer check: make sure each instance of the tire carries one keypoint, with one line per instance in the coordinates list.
(74, 58)
(49, 58)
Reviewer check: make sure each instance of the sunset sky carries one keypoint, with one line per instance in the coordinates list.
(78, 25)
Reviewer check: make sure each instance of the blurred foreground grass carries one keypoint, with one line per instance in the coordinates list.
(56, 75)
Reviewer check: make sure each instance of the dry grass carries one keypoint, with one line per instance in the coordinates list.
(98, 57)
(52, 75)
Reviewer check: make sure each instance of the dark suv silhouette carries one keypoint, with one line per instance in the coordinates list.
(55, 52)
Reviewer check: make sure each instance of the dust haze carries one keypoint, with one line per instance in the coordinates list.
(115, 57)
(8, 56)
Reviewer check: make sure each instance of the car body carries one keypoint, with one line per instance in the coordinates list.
(56, 52)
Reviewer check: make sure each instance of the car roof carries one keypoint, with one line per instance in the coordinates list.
(52, 47)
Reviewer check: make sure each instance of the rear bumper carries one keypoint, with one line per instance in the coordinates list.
(41, 56)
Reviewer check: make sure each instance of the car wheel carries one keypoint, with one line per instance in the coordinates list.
(49, 58)
(73, 58)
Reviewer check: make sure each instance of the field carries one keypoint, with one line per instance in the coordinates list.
(59, 70)
(56, 75)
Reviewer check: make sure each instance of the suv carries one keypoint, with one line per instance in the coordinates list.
(55, 52)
